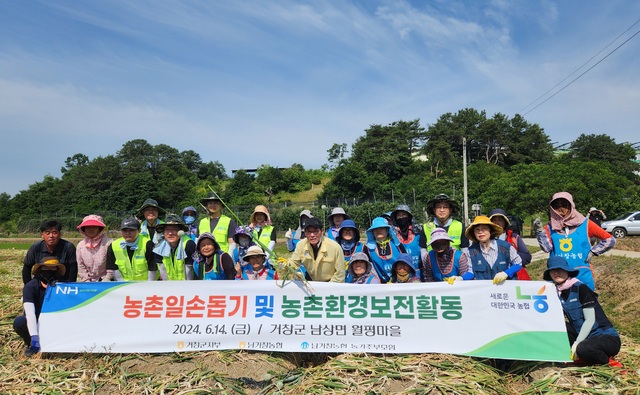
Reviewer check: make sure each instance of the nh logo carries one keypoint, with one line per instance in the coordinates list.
(66, 290)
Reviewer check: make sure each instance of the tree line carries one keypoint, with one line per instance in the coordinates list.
(511, 164)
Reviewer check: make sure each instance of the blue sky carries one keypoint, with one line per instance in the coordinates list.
(248, 83)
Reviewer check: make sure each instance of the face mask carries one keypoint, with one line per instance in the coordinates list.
(189, 219)
(47, 276)
(403, 222)
(243, 241)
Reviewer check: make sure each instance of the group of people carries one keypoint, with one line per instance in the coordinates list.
(397, 249)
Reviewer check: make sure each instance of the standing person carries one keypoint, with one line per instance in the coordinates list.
(321, 257)
(410, 234)
(130, 258)
(149, 213)
(257, 270)
(404, 270)
(51, 245)
(491, 259)
(360, 270)
(210, 262)
(384, 248)
(349, 239)
(596, 215)
(593, 338)
(91, 253)
(263, 230)
(499, 217)
(294, 237)
(567, 235)
(443, 262)
(442, 209)
(190, 216)
(174, 253)
(335, 221)
(216, 223)
(45, 274)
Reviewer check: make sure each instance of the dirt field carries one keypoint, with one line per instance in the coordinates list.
(245, 372)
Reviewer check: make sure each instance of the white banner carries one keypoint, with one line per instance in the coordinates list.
(515, 320)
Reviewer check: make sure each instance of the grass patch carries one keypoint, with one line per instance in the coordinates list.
(15, 246)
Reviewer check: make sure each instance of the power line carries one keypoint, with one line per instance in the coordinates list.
(586, 71)
(581, 66)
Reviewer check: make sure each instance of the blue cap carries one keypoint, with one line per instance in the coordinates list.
(558, 262)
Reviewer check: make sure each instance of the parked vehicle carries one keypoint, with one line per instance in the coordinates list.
(626, 224)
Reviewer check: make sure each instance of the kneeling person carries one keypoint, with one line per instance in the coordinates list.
(257, 269)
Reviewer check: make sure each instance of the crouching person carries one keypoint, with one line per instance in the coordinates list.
(593, 338)
(361, 270)
(257, 269)
(44, 274)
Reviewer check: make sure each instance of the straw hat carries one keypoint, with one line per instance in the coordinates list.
(253, 251)
(482, 220)
(48, 263)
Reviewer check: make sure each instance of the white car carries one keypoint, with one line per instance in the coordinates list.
(627, 224)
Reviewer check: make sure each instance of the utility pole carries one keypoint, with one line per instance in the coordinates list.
(465, 203)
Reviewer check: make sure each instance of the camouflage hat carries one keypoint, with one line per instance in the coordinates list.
(149, 203)
(172, 219)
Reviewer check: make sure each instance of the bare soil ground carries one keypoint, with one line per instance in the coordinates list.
(244, 372)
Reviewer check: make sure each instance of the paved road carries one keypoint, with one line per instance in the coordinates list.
(543, 255)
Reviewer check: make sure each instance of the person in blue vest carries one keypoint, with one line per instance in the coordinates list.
(262, 228)
(499, 217)
(210, 262)
(294, 237)
(190, 216)
(568, 235)
(593, 338)
(257, 269)
(349, 239)
(410, 234)
(219, 225)
(174, 252)
(384, 248)
(404, 270)
(131, 257)
(243, 240)
(443, 262)
(360, 270)
(491, 259)
(45, 274)
(441, 210)
(335, 221)
(149, 213)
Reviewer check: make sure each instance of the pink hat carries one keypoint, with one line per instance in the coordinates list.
(439, 234)
(91, 220)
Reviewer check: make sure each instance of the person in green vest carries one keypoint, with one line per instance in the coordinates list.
(149, 213)
(130, 258)
(222, 227)
(263, 230)
(174, 252)
(441, 210)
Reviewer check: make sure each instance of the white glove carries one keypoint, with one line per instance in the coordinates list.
(288, 234)
(500, 278)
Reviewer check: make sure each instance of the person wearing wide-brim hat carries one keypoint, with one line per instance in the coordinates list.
(149, 213)
(45, 273)
(383, 247)
(219, 225)
(491, 259)
(174, 252)
(335, 221)
(130, 257)
(256, 257)
(52, 244)
(443, 262)
(91, 252)
(499, 217)
(263, 229)
(293, 237)
(441, 210)
(593, 338)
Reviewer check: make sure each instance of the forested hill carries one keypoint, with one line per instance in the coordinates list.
(511, 164)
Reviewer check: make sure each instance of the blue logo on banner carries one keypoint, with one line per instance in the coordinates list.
(304, 345)
(66, 296)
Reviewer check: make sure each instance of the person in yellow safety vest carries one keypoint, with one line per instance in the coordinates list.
(130, 258)
(174, 253)
(222, 227)
(149, 213)
(441, 210)
(263, 230)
